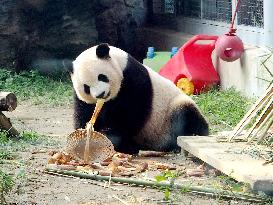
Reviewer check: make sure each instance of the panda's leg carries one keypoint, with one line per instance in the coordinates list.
(128, 146)
(187, 120)
(82, 112)
(122, 143)
(170, 145)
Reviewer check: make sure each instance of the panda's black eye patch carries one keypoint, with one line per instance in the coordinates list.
(86, 89)
(103, 78)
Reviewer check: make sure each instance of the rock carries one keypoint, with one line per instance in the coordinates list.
(134, 3)
(40, 33)
(8, 29)
(118, 25)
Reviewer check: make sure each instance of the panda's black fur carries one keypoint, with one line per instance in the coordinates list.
(123, 117)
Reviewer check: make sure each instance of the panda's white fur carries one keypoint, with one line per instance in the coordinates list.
(88, 60)
(168, 112)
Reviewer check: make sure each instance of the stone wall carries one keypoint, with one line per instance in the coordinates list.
(39, 33)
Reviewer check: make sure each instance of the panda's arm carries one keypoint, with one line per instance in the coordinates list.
(121, 143)
(82, 112)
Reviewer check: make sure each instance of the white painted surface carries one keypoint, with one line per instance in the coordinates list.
(245, 74)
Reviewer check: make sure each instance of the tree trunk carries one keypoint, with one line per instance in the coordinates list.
(5, 124)
(8, 101)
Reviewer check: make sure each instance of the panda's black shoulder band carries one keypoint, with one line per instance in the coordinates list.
(102, 51)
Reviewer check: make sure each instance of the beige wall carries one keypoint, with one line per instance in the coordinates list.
(244, 73)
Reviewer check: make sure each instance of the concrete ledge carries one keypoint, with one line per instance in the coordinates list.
(225, 157)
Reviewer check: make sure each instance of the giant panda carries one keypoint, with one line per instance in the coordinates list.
(142, 110)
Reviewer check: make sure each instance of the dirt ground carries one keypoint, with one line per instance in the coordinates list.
(38, 187)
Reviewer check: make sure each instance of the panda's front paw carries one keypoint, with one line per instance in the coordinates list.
(115, 139)
(122, 144)
(177, 149)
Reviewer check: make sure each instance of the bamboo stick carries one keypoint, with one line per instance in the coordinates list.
(266, 111)
(251, 113)
(139, 182)
(269, 119)
(260, 128)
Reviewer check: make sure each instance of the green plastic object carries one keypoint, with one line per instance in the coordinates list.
(160, 58)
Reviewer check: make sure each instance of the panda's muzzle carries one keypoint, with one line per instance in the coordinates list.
(101, 95)
(100, 90)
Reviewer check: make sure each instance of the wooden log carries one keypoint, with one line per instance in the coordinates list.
(5, 124)
(8, 101)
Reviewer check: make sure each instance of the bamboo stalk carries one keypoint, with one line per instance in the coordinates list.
(269, 124)
(252, 112)
(267, 112)
(260, 128)
(86, 155)
(260, 120)
(139, 182)
(90, 129)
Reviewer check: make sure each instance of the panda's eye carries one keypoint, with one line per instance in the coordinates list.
(86, 89)
(103, 78)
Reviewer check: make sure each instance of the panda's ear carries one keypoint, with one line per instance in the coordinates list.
(68, 65)
(102, 51)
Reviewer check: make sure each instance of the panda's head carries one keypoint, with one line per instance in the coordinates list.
(98, 73)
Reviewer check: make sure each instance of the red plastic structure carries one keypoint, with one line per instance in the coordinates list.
(229, 47)
(193, 61)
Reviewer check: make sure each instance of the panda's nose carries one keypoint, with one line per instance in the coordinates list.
(101, 95)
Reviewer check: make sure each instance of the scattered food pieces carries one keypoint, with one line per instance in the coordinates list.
(198, 172)
(214, 172)
(118, 165)
(151, 154)
(38, 151)
(59, 158)
(105, 173)
(61, 166)
(165, 166)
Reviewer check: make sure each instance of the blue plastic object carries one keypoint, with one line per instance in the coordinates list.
(151, 52)
(174, 51)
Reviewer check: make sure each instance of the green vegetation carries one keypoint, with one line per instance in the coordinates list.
(7, 155)
(25, 136)
(29, 136)
(167, 176)
(6, 184)
(223, 109)
(3, 137)
(37, 88)
(13, 157)
(228, 183)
